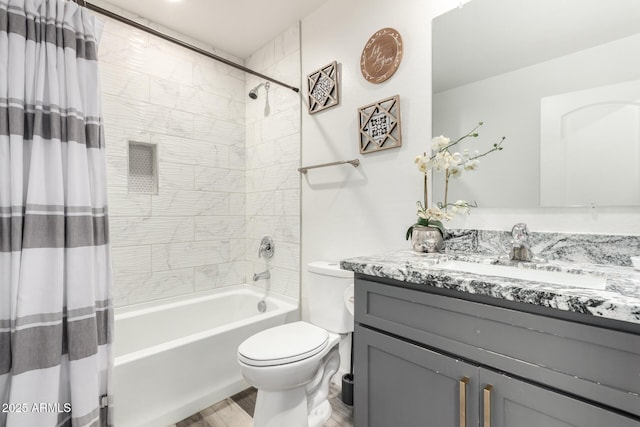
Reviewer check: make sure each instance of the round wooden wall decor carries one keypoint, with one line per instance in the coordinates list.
(381, 55)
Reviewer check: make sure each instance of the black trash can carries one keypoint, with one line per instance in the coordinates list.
(347, 389)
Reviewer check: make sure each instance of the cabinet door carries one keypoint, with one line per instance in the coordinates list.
(515, 403)
(400, 384)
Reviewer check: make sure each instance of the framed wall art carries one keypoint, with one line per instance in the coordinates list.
(323, 88)
(380, 125)
(381, 55)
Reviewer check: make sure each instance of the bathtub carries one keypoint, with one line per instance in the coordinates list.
(177, 356)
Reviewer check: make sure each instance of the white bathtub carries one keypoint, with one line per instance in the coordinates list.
(177, 356)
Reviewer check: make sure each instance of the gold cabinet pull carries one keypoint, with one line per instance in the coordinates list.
(463, 401)
(487, 405)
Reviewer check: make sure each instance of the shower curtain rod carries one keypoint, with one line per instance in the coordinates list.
(179, 42)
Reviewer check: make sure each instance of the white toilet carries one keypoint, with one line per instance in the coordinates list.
(291, 365)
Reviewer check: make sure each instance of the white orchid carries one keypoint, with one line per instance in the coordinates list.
(434, 214)
(455, 171)
(471, 165)
(452, 164)
(439, 142)
(461, 206)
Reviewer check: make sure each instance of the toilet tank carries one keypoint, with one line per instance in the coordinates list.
(326, 290)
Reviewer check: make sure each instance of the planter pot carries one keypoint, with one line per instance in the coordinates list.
(427, 239)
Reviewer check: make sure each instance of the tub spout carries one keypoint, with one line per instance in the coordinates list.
(264, 275)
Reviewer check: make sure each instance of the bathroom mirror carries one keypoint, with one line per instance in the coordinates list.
(561, 80)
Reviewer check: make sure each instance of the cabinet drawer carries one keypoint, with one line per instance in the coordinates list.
(594, 363)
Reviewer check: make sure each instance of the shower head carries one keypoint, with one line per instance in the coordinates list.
(253, 93)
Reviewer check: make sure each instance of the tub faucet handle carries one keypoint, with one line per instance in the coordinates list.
(266, 247)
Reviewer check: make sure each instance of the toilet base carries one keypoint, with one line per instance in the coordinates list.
(304, 406)
(281, 408)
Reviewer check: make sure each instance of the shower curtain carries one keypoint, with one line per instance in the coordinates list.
(56, 312)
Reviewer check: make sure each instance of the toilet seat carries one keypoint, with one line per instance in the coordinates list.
(283, 344)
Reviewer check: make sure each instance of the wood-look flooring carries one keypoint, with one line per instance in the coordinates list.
(237, 411)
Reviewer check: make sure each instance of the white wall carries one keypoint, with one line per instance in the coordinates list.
(349, 212)
(273, 156)
(346, 211)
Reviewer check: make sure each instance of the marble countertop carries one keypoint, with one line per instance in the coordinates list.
(620, 300)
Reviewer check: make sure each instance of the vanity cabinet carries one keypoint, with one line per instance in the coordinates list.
(423, 359)
(403, 384)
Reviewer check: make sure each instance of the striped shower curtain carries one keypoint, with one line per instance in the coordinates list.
(56, 311)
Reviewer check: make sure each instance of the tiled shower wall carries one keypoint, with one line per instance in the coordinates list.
(191, 235)
(273, 156)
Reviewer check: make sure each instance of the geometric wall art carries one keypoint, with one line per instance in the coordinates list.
(379, 125)
(323, 88)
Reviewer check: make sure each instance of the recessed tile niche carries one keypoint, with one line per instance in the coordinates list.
(143, 168)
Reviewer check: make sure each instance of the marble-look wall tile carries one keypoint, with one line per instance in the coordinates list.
(118, 81)
(237, 204)
(281, 124)
(286, 282)
(143, 116)
(132, 231)
(287, 202)
(262, 155)
(122, 203)
(285, 70)
(148, 287)
(273, 156)
(123, 47)
(175, 256)
(277, 177)
(193, 100)
(262, 203)
(130, 260)
(189, 151)
(287, 149)
(193, 109)
(237, 247)
(219, 227)
(117, 139)
(176, 176)
(190, 203)
(283, 281)
(253, 132)
(282, 228)
(169, 67)
(219, 275)
(218, 131)
(263, 58)
(237, 156)
(211, 78)
(217, 179)
(117, 171)
(287, 43)
(285, 99)
(286, 255)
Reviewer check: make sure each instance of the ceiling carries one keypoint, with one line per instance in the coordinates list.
(239, 27)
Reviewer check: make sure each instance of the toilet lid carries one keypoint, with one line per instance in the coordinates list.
(283, 344)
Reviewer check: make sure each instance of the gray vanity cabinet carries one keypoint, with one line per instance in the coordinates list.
(402, 384)
(516, 403)
(440, 361)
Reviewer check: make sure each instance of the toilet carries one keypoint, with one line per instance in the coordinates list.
(291, 365)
